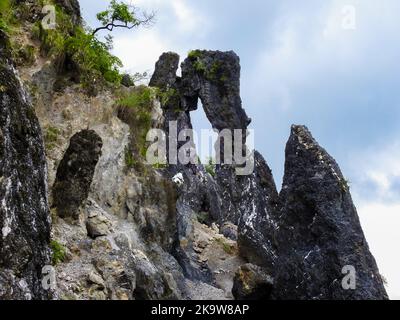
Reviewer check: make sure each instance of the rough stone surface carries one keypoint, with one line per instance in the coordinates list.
(164, 75)
(214, 76)
(24, 213)
(75, 173)
(97, 223)
(176, 232)
(72, 8)
(251, 202)
(252, 283)
(319, 230)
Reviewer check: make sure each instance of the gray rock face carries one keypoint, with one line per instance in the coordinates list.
(305, 235)
(257, 215)
(97, 223)
(252, 283)
(72, 8)
(24, 213)
(164, 75)
(75, 173)
(214, 76)
(319, 230)
(191, 189)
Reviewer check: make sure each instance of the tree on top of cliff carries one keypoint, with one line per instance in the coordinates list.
(122, 15)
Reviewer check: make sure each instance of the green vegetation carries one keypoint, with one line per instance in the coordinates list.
(89, 55)
(58, 252)
(213, 73)
(51, 137)
(198, 63)
(122, 15)
(228, 248)
(344, 185)
(93, 57)
(135, 109)
(194, 54)
(160, 165)
(165, 96)
(203, 217)
(199, 66)
(139, 98)
(210, 167)
(24, 55)
(129, 159)
(73, 45)
(6, 15)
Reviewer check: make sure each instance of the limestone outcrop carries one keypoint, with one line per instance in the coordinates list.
(24, 213)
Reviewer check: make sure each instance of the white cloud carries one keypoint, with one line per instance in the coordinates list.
(379, 208)
(140, 52)
(188, 19)
(379, 168)
(183, 17)
(381, 224)
(312, 43)
(177, 27)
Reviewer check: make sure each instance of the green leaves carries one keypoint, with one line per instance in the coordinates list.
(118, 12)
(58, 252)
(121, 15)
(91, 54)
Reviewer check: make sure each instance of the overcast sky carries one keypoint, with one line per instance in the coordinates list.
(306, 63)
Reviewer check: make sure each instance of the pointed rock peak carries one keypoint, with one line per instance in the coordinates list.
(306, 159)
(301, 137)
(320, 235)
(164, 75)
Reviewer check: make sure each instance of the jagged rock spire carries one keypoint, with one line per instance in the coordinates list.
(319, 230)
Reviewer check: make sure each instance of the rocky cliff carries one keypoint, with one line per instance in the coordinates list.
(77, 194)
(24, 212)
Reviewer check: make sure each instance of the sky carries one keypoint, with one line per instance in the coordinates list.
(331, 65)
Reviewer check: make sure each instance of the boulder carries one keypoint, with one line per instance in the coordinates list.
(252, 282)
(75, 173)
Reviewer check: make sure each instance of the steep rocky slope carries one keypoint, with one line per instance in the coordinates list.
(24, 213)
(124, 229)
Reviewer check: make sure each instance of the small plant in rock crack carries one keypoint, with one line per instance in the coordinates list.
(129, 159)
(210, 167)
(344, 185)
(58, 252)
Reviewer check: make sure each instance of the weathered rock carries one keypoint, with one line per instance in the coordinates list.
(214, 76)
(164, 75)
(256, 201)
(229, 230)
(96, 279)
(72, 8)
(252, 283)
(97, 224)
(75, 173)
(190, 184)
(24, 212)
(319, 230)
